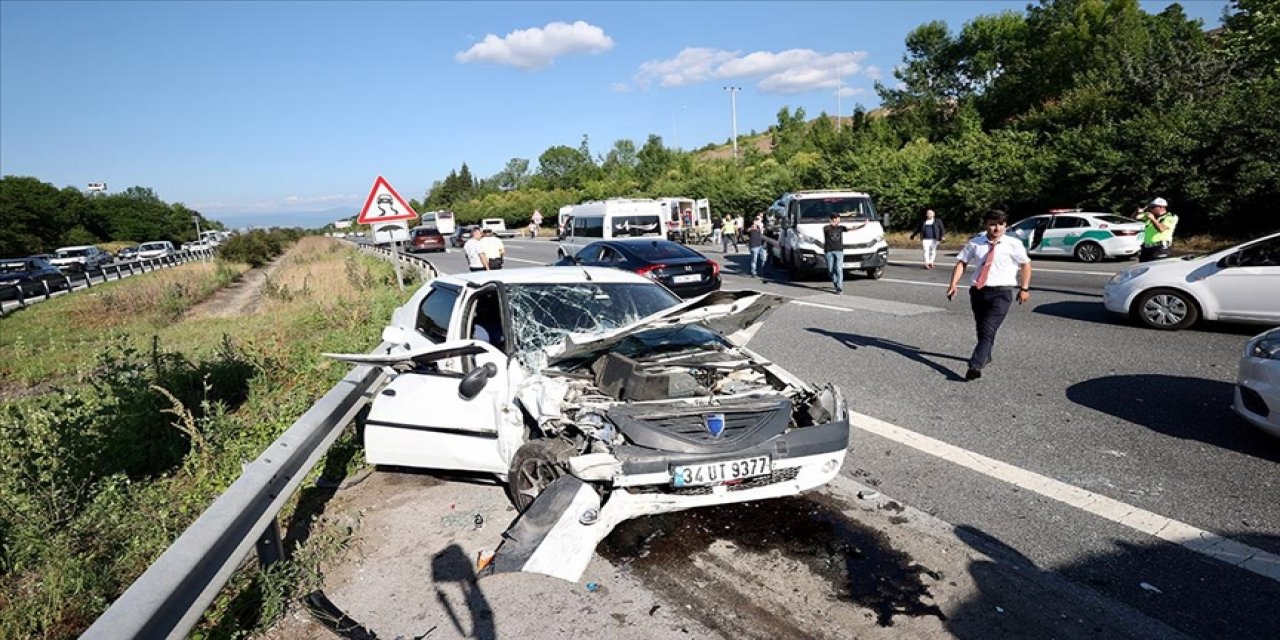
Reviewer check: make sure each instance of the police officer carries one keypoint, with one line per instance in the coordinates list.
(1157, 236)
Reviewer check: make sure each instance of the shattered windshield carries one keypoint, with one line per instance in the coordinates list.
(543, 314)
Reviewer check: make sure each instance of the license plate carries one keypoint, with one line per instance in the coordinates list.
(852, 265)
(692, 277)
(708, 473)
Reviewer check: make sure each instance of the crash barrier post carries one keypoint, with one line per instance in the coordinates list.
(49, 294)
(88, 279)
(168, 599)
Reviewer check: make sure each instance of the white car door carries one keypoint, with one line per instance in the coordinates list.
(1061, 236)
(1248, 285)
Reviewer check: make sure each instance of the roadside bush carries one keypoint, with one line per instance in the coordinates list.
(255, 248)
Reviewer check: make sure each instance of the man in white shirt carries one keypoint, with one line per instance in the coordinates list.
(474, 250)
(1003, 265)
(494, 250)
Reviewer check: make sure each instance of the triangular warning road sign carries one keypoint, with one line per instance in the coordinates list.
(384, 205)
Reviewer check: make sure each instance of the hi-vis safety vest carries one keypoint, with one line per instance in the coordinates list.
(1150, 235)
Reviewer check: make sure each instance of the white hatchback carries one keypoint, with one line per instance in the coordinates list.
(1089, 237)
(1240, 284)
(1257, 396)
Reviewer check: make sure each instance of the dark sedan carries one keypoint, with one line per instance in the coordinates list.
(461, 234)
(684, 271)
(425, 239)
(28, 275)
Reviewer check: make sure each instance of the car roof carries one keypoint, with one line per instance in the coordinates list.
(807, 195)
(76, 248)
(545, 275)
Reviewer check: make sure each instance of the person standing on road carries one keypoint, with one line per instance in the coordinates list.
(1157, 236)
(728, 235)
(1003, 266)
(534, 223)
(493, 248)
(931, 233)
(716, 225)
(755, 242)
(476, 258)
(833, 248)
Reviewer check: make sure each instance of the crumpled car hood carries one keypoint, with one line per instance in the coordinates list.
(736, 315)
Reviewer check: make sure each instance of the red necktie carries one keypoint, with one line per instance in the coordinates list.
(986, 267)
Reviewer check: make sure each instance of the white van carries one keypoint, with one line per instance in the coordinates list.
(683, 213)
(794, 236)
(608, 219)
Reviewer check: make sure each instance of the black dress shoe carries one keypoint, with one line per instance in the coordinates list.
(972, 374)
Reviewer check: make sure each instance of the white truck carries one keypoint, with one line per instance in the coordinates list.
(498, 226)
(794, 234)
(608, 219)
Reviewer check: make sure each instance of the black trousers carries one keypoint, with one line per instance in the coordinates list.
(1154, 252)
(990, 306)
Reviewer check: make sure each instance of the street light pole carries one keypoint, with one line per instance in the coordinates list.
(733, 101)
(196, 219)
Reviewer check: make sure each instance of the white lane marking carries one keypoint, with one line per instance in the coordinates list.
(1210, 544)
(525, 261)
(820, 306)
(1033, 267)
(927, 284)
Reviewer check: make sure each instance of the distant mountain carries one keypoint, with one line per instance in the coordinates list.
(304, 219)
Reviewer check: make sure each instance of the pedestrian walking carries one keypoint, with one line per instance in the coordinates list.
(755, 243)
(740, 225)
(473, 249)
(728, 236)
(494, 249)
(534, 223)
(716, 225)
(833, 248)
(931, 233)
(1157, 236)
(1003, 267)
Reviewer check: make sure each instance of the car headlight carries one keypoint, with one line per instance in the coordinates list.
(808, 239)
(5, 283)
(1128, 274)
(1267, 347)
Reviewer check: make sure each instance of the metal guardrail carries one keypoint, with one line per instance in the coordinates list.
(169, 598)
(84, 279)
(423, 265)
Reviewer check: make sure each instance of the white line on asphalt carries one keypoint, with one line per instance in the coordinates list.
(1210, 544)
(927, 284)
(820, 306)
(1034, 267)
(525, 261)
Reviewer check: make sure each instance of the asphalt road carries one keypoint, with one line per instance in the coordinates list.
(1135, 420)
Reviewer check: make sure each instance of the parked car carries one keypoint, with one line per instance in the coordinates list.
(127, 253)
(461, 235)
(425, 239)
(80, 258)
(1239, 284)
(1257, 394)
(601, 390)
(1089, 237)
(25, 277)
(679, 268)
(155, 249)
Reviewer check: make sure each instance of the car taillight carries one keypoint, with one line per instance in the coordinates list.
(1125, 232)
(648, 271)
(715, 268)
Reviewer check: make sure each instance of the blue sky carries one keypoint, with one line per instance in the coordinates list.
(258, 112)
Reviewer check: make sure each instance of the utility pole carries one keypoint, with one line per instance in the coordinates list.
(196, 219)
(733, 101)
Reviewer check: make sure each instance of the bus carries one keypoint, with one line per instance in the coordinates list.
(441, 221)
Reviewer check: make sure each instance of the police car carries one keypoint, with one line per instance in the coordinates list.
(1087, 236)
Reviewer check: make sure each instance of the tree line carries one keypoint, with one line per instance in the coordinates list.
(1094, 104)
(37, 217)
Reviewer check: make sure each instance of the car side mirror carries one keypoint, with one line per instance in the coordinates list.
(476, 379)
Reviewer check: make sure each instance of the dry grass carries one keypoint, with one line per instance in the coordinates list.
(163, 295)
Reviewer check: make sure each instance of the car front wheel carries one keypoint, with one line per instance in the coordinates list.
(876, 273)
(536, 465)
(1089, 252)
(1166, 309)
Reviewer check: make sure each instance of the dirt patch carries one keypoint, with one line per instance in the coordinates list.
(241, 298)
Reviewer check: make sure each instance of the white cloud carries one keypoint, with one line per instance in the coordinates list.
(620, 87)
(284, 204)
(291, 200)
(849, 92)
(693, 64)
(536, 47)
(789, 71)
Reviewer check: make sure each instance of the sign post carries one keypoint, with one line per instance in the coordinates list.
(387, 214)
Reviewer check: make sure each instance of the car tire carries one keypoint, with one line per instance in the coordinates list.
(876, 273)
(1166, 309)
(537, 463)
(1089, 252)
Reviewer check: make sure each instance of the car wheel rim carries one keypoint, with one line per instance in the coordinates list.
(1090, 253)
(1165, 310)
(533, 477)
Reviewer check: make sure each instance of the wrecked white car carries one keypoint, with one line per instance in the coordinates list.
(596, 395)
